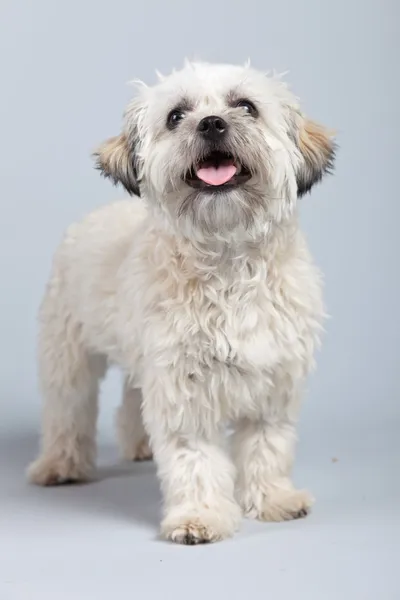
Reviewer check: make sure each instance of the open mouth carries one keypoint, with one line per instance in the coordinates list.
(219, 170)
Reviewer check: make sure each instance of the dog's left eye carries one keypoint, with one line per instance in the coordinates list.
(174, 117)
(247, 107)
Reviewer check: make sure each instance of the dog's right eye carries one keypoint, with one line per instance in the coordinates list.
(174, 117)
(248, 107)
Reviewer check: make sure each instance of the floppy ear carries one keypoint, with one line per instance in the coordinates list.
(116, 161)
(317, 147)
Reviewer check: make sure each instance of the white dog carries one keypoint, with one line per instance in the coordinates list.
(203, 292)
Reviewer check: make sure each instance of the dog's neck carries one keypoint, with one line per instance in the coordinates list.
(231, 252)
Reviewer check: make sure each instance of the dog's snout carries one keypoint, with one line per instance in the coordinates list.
(212, 128)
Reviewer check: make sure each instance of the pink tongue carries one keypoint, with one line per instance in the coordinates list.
(216, 175)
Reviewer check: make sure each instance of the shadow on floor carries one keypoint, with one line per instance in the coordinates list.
(125, 491)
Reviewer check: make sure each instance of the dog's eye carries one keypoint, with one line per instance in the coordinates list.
(248, 107)
(174, 117)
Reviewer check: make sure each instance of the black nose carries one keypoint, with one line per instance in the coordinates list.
(212, 128)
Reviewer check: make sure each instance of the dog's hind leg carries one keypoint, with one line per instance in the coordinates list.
(70, 378)
(133, 439)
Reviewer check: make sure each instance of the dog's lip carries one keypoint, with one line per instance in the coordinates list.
(240, 176)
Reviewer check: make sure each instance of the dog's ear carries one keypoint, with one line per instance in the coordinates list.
(317, 147)
(116, 161)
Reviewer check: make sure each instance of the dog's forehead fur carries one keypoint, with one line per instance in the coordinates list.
(210, 86)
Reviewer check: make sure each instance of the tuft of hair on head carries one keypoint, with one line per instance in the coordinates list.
(160, 76)
(139, 84)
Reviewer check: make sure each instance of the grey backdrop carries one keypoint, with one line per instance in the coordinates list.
(64, 68)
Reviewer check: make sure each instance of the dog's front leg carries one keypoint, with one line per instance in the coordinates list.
(197, 477)
(263, 449)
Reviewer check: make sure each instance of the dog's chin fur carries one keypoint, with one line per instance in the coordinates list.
(207, 299)
(229, 216)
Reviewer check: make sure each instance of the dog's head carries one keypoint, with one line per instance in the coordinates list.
(219, 149)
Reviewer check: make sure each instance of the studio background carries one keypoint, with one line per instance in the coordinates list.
(64, 73)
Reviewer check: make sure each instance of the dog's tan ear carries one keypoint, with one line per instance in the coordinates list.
(116, 161)
(317, 146)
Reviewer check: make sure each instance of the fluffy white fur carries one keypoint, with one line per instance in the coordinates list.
(210, 304)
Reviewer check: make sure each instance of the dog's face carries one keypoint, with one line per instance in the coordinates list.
(218, 149)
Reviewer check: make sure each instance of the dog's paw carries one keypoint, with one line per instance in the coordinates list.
(280, 505)
(192, 533)
(143, 451)
(201, 526)
(139, 452)
(50, 471)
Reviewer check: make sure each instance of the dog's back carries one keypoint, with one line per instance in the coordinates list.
(87, 264)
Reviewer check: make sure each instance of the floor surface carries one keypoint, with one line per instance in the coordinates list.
(99, 541)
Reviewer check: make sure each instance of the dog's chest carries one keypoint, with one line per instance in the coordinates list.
(255, 316)
(250, 325)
